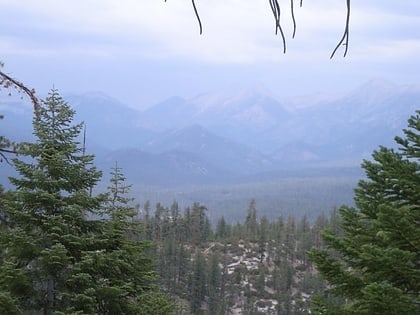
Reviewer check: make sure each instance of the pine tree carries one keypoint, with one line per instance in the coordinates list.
(200, 225)
(304, 240)
(54, 244)
(262, 237)
(251, 221)
(222, 229)
(47, 225)
(197, 282)
(121, 272)
(375, 265)
(214, 283)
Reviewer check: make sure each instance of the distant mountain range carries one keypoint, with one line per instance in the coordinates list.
(229, 136)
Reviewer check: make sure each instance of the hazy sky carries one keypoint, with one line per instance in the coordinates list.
(142, 51)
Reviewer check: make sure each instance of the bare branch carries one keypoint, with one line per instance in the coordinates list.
(7, 81)
(345, 39)
(275, 7)
(197, 16)
(4, 157)
(292, 10)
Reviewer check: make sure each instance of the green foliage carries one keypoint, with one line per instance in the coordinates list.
(227, 270)
(197, 282)
(46, 214)
(375, 265)
(57, 255)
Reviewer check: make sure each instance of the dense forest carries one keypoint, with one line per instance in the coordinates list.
(256, 266)
(67, 250)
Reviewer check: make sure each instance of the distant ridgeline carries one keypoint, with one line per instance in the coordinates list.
(227, 147)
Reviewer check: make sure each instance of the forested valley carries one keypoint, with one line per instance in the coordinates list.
(68, 250)
(257, 266)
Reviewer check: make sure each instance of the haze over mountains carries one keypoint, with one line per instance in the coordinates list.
(230, 135)
(226, 147)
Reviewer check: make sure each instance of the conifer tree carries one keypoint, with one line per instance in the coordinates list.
(197, 282)
(375, 264)
(200, 225)
(47, 226)
(251, 221)
(121, 272)
(53, 242)
(214, 283)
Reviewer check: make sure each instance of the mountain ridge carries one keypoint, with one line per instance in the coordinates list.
(232, 134)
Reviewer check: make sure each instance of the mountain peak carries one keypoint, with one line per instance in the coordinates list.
(231, 96)
(374, 91)
(375, 85)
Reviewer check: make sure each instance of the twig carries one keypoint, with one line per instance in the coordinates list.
(198, 16)
(6, 81)
(4, 157)
(345, 37)
(275, 7)
(292, 10)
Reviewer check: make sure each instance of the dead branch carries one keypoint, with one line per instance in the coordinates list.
(6, 81)
(275, 8)
(345, 35)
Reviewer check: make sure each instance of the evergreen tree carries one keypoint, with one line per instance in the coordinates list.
(147, 221)
(200, 225)
(121, 271)
(222, 229)
(197, 282)
(54, 247)
(251, 221)
(289, 239)
(375, 264)
(47, 225)
(214, 283)
(263, 237)
(304, 240)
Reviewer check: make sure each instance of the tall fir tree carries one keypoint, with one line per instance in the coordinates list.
(47, 226)
(251, 221)
(374, 266)
(52, 228)
(121, 278)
